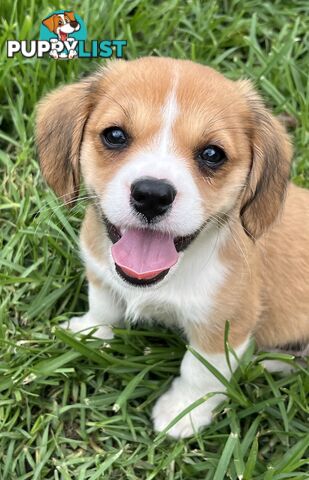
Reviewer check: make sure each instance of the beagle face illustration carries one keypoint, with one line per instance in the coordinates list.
(62, 24)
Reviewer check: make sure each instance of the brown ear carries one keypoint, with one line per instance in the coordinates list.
(70, 15)
(270, 168)
(61, 119)
(49, 23)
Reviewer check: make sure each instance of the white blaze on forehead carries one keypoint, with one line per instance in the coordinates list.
(170, 111)
(157, 158)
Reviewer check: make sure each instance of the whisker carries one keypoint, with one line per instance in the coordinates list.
(57, 206)
(53, 209)
(60, 197)
(221, 221)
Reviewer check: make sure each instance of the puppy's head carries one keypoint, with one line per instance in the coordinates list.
(62, 24)
(166, 146)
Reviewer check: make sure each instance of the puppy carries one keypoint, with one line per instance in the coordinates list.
(62, 24)
(193, 220)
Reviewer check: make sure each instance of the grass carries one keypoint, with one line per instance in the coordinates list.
(72, 408)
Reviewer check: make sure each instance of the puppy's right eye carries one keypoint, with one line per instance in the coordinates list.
(114, 137)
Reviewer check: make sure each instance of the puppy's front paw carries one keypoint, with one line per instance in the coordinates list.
(54, 54)
(277, 366)
(173, 402)
(72, 54)
(85, 323)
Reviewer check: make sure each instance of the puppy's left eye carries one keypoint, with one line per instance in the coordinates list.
(114, 137)
(212, 157)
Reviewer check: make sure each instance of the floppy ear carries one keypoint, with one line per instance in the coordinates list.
(49, 23)
(270, 168)
(61, 119)
(70, 15)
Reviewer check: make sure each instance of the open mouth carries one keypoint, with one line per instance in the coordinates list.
(143, 256)
(63, 35)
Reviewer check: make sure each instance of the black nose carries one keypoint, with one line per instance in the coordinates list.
(73, 24)
(152, 197)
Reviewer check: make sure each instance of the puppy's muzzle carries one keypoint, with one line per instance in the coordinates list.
(152, 197)
(73, 24)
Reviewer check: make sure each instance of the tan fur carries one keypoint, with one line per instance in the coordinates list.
(71, 16)
(283, 256)
(60, 125)
(92, 232)
(270, 168)
(270, 292)
(52, 22)
(267, 290)
(239, 304)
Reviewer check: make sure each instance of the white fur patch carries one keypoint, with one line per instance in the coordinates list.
(170, 112)
(195, 381)
(187, 292)
(104, 312)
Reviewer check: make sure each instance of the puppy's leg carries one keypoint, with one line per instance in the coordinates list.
(104, 312)
(275, 366)
(299, 351)
(72, 54)
(54, 54)
(195, 381)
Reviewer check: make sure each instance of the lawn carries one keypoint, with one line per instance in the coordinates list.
(72, 407)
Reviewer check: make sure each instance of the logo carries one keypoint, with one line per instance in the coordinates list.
(63, 36)
(63, 31)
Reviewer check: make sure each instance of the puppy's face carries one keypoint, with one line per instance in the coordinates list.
(62, 24)
(168, 147)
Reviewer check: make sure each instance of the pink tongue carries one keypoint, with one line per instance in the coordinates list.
(63, 35)
(143, 254)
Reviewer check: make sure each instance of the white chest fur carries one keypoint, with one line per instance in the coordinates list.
(185, 294)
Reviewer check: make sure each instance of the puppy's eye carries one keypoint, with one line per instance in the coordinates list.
(114, 137)
(211, 157)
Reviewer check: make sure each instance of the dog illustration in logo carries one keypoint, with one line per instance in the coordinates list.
(62, 24)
